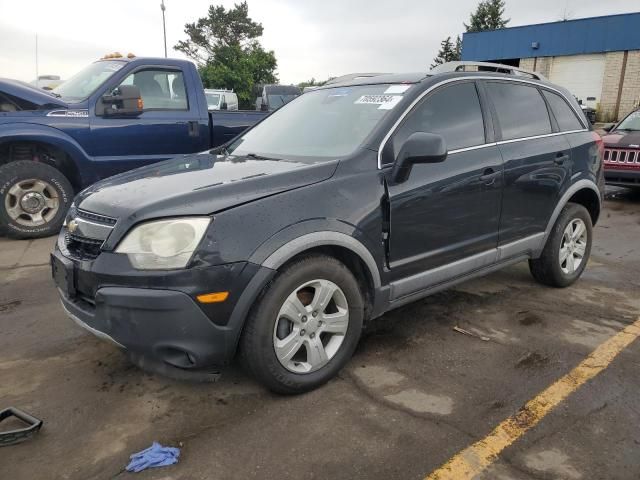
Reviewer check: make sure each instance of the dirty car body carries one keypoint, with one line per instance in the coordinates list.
(340, 189)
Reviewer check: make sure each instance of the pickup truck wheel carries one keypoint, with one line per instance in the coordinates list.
(567, 251)
(305, 325)
(34, 199)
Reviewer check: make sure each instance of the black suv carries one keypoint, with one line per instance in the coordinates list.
(348, 202)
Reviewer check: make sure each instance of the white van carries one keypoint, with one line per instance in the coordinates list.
(221, 99)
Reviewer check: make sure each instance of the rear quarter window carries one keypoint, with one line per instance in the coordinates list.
(565, 116)
(521, 110)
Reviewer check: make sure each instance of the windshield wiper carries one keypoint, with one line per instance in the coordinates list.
(260, 157)
(57, 95)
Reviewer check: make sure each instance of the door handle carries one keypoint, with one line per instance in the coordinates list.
(489, 176)
(560, 158)
(194, 129)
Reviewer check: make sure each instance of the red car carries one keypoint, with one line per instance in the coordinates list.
(622, 152)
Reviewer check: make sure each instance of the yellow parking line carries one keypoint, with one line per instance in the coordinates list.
(474, 459)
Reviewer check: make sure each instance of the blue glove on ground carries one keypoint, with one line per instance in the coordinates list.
(154, 456)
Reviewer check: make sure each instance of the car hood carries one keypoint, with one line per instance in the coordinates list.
(622, 139)
(200, 184)
(39, 98)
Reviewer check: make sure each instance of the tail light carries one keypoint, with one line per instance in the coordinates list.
(599, 144)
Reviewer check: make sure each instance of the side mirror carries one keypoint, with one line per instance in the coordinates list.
(224, 106)
(608, 127)
(124, 101)
(420, 147)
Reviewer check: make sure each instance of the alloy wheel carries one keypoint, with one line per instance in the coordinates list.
(573, 246)
(311, 326)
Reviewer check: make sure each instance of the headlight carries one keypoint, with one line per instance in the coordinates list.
(164, 244)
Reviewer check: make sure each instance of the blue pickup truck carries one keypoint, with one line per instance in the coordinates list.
(115, 115)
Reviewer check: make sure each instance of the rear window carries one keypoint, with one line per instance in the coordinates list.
(521, 110)
(565, 116)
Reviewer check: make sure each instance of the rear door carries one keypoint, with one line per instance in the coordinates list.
(536, 158)
(169, 125)
(446, 211)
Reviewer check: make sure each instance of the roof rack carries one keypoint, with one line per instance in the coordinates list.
(468, 66)
(351, 76)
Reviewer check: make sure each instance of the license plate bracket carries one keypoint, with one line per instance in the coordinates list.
(62, 273)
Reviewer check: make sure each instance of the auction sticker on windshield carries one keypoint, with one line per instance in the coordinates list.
(397, 89)
(385, 102)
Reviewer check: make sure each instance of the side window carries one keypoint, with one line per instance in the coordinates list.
(160, 89)
(453, 112)
(521, 110)
(565, 116)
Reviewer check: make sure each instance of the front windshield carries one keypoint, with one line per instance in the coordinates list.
(85, 82)
(632, 122)
(213, 99)
(322, 124)
(276, 101)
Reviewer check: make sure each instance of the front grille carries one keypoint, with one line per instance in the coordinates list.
(85, 233)
(81, 247)
(622, 157)
(94, 217)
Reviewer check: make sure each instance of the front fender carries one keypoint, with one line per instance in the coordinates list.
(302, 236)
(31, 132)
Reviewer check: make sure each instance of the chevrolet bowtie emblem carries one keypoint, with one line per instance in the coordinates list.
(72, 226)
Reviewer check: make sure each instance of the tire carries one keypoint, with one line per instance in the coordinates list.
(267, 326)
(549, 269)
(29, 189)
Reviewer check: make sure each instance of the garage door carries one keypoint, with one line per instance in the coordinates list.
(582, 75)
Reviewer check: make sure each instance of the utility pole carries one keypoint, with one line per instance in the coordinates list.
(164, 28)
(37, 73)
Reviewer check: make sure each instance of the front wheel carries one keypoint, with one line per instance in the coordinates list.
(304, 327)
(567, 250)
(34, 199)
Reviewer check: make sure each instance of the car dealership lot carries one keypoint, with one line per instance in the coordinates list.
(416, 393)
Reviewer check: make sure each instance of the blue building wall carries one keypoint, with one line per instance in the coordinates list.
(572, 37)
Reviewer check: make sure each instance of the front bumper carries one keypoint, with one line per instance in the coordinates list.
(622, 177)
(155, 314)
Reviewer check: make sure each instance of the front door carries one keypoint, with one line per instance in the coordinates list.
(169, 124)
(450, 211)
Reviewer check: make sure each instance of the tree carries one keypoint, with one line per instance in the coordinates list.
(488, 16)
(458, 49)
(225, 46)
(448, 52)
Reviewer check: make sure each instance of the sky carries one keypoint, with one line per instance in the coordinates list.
(311, 38)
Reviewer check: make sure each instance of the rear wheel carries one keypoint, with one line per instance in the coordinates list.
(568, 247)
(305, 326)
(34, 198)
